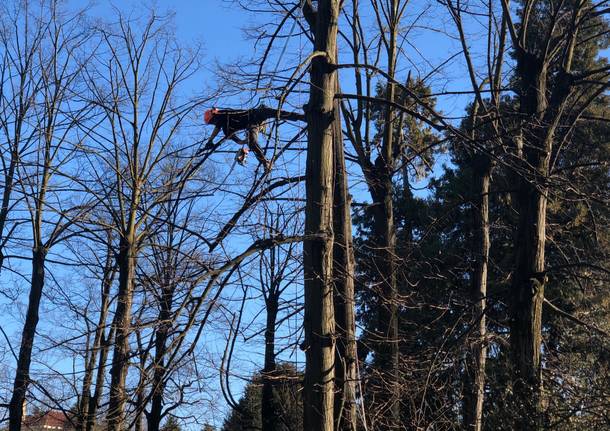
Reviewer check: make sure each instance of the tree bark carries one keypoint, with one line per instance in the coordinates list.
(85, 401)
(343, 276)
(161, 337)
(140, 401)
(22, 376)
(99, 380)
(528, 276)
(126, 261)
(382, 188)
(526, 306)
(319, 321)
(474, 413)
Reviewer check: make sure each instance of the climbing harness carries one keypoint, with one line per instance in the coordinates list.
(241, 156)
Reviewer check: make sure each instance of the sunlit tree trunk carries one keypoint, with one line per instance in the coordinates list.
(319, 323)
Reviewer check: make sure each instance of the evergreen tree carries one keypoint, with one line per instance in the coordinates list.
(287, 394)
(171, 424)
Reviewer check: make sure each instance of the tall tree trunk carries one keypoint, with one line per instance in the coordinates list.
(385, 244)
(482, 173)
(526, 306)
(270, 411)
(387, 359)
(542, 109)
(85, 401)
(319, 320)
(528, 276)
(99, 380)
(126, 261)
(22, 376)
(161, 337)
(140, 402)
(343, 276)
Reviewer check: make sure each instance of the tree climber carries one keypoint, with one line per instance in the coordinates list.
(252, 121)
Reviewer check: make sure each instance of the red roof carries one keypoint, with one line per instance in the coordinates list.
(53, 419)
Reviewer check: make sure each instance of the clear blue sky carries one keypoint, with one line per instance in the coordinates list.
(219, 25)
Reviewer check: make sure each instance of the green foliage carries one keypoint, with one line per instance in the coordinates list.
(287, 393)
(435, 251)
(415, 142)
(171, 424)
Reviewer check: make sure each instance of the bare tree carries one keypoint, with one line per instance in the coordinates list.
(43, 176)
(380, 156)
(97, 351)
(276, 272)
(346, 372)
(21, 38)
(134, 84)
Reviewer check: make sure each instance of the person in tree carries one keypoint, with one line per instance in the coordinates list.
(252, 122)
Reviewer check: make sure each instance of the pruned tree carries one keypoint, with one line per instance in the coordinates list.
(319, 323)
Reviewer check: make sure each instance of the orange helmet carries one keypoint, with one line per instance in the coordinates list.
(209, 114)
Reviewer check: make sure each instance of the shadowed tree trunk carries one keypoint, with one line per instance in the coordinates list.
(478, 356)
(161, 339)
(140, 399)
(98, 342)
(343, 276)
(385, 243)
(94, 401)
(535, 147)
(122, 329)
(22, 376)
(270, 411)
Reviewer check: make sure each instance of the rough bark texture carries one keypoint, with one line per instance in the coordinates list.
(343, 276)
(528, 275)
(474, 410)
(541, 108)
(22, 376)
(122, 327)
(319, 322)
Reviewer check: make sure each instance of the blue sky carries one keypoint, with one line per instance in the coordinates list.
(219, 25)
